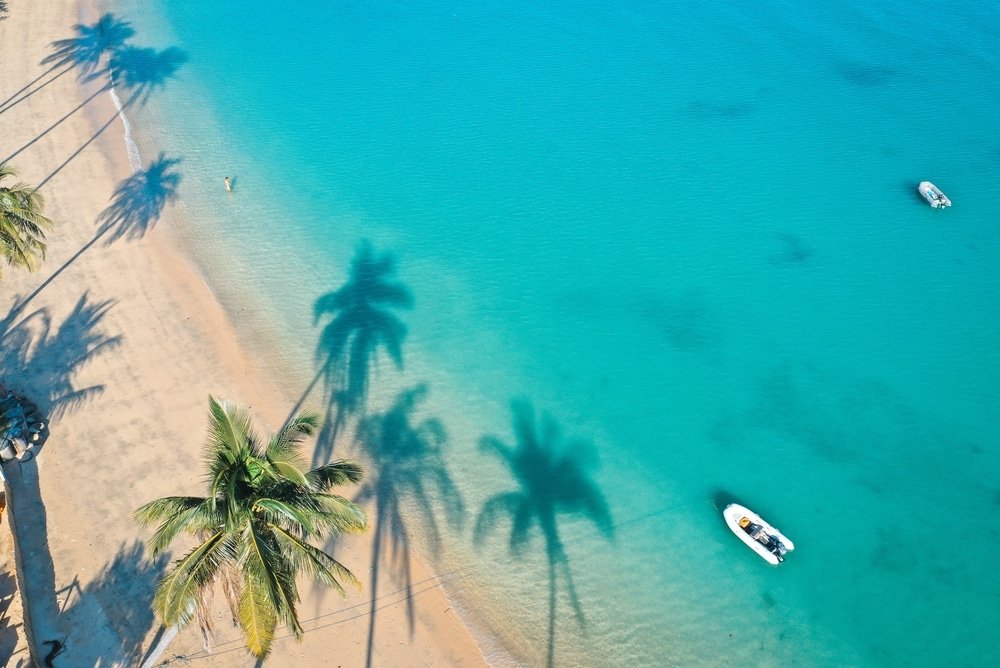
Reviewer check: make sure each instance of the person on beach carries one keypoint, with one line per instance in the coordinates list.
(229, 185)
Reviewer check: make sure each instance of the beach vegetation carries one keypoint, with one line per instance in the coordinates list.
(254, 528)
(553, 478)
(22, 223)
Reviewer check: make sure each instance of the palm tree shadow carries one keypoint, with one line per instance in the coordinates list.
(139, 201)
(41, 359)
(137, 72)
(552, 478)
(83, 52)
(135, 208)
(360, 322)
(408, 465)
(121, 596)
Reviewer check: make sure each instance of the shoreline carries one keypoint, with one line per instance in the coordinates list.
(169, 343)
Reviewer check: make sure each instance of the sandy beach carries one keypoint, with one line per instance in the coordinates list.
(122, 345)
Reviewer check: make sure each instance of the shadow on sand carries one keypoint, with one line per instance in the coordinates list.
(408, 477)
(137, 72)
(133, 71)
(85, 52)
(41, 360)
(135, 208)
(360, 323)
(120, 600)
(553, 478)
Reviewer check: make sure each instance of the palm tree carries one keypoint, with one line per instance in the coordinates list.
(254, 526)
(552, 480)
(22, 225)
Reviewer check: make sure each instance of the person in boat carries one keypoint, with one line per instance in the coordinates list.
(757, 532)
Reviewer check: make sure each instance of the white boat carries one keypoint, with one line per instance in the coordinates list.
(933, 195)
(759, 536)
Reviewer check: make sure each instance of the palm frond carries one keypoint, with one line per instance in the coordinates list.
(334, 474)
(267, 570)
(291, 436)
(256, 613)
(229, 429)
(284, 514)
(315, 562)
(190, 514)
(178, 591)
(340, 515)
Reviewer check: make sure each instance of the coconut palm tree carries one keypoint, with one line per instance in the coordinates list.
(552, 480)
(22, 225)
(254, 527)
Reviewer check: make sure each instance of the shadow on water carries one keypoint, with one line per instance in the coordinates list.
(793, 250)
(84, 52)
(139, 201)
(408, 465)
(135, 208)
(360, 323)
(866, 75)
(552, 479)
(121, 596)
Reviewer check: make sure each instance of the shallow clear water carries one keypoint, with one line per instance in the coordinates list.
(691, 236)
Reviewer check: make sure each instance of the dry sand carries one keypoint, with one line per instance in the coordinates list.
(129, 340)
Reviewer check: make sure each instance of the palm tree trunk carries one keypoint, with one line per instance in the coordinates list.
(163, 638)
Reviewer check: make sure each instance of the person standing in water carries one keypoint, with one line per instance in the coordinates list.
(229, 185)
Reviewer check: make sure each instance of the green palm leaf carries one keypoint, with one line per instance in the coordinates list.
(315, 562)
(22, 224)
(191, 514)
(179, 590)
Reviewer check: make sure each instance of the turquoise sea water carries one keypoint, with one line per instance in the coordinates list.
(689, 234)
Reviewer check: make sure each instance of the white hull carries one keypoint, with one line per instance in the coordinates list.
(734, 512)
(933, 195)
